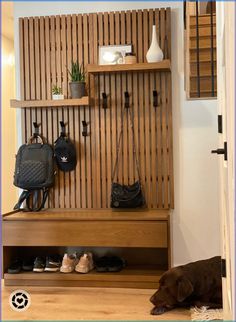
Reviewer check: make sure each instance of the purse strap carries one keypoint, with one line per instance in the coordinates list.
(119, 145)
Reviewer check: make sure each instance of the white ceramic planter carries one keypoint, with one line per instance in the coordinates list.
(154, 54)
(58, 97)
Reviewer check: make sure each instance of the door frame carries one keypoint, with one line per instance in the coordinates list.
(226, 106)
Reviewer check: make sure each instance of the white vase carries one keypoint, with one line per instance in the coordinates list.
(154, 54)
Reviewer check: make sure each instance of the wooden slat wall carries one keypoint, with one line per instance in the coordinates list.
(47, 47)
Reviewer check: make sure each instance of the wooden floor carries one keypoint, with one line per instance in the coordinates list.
(87, 304)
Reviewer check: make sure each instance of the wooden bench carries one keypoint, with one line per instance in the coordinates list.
(141, 237)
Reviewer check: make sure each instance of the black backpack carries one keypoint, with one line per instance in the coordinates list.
(34, 172)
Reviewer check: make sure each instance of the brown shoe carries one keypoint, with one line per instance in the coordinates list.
(85, 264)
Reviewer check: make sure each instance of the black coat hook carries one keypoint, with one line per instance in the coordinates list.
(36, 129)
(63, 129)
(85, 128)
(104, 100)
(155, 98)
(126, 100)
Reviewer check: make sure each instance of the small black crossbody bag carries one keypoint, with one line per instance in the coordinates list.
(126, 196)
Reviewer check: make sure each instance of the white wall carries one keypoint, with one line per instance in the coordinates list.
(195, 219)
(8, 126)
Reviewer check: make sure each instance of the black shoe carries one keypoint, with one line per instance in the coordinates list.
(102, 264)
(28, 265)
(109, 264)
(39, 265)
(15, 267)
(116, 264)
(53, 263)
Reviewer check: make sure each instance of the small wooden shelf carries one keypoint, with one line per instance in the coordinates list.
(139, 67)
(143, 277)
(51, 103)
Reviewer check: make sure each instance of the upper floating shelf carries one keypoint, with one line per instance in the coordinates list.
(51, 103)
(139, 67)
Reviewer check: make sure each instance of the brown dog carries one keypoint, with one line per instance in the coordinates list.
(195, 284)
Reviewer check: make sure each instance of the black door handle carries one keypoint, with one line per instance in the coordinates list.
(218, 151)
(222, 151)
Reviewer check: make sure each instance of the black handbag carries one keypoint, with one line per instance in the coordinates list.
(126, 196)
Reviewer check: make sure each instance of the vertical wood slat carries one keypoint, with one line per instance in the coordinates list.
(22, 76)
(107, 115)
(87, 38)
(158, 122)
(118, 116)
(27, 78)
(153, 138)
(125, 120)
(54, 113)
(42, 85)
(130, 163)
(97, 163)
(38, 111)
(90, 113)
(102, 130)
(69, 49)
(64, 46)
(50, 44)
(59, 113)
(77, 117)
(147, 113)
(141, 107)
(112, 104)
(48, 64)
(135, 92)
(83, 117)
(163, 124)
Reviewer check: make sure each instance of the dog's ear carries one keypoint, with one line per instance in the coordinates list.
(185, 288)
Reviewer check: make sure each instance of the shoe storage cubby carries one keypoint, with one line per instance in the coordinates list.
(142, 268)
(78, 213)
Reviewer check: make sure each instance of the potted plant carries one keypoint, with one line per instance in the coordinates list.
(77, 84)
(57, 93)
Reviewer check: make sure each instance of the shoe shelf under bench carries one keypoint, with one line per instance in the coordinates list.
(140, 236)
(143, 277)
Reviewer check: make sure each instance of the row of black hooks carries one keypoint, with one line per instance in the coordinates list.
(36, 126)
(127, 99)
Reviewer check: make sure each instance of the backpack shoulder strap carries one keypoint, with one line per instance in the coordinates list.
(25, 196)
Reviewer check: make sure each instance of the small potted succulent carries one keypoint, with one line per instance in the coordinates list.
(77, 84)
(57, 93)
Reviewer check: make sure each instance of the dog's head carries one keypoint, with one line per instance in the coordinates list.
(174, 288)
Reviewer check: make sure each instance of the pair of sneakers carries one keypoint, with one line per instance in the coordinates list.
(84, 264)
(51, 264)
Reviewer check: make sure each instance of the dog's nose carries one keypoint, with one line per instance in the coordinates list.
(152, 299)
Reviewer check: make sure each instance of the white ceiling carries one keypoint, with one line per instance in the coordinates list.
(7, 20)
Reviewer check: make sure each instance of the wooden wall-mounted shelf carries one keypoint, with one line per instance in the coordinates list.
(139, 67)
(51, 103)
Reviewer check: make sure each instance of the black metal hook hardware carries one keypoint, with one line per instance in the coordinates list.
(63, 129)
(85, 128)
(36, 129)
(126, 100)
(104, 100)
(155, 98)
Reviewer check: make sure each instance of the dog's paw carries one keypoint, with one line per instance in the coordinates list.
(158, 310)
